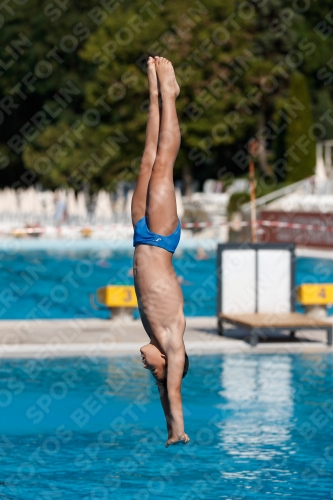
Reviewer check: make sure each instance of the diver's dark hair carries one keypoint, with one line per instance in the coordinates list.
(186, 366)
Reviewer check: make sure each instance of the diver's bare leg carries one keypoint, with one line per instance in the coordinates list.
(162, 209)
(139, 200)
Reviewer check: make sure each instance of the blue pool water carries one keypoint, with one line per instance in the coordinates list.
(47, 284)
(87, 429)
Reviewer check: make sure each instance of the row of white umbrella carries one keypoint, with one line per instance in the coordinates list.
(26, 202)
(42, 205)
(31, 203)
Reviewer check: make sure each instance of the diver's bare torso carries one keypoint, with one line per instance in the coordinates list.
(158, 291)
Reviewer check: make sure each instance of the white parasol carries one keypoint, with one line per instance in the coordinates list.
(72, 205)
(82, 206)
(179, 202)
(103, 210)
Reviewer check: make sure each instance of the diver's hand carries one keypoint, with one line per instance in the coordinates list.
(177, 440)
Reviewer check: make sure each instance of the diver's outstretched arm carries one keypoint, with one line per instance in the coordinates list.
(176, 360)
(163, 391)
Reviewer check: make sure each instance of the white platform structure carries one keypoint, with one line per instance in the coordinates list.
(256, 291)
(256, 278)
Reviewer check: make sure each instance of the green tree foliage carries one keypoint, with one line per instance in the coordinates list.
(38, 57)
(232, 61)
(299, 141)
(273, 37)
(203, 50)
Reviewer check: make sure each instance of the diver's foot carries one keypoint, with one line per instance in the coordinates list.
(177, 440)
(152, 77)
(166, 78)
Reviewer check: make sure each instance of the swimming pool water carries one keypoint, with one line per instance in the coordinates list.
(88, 428)
(46, 285)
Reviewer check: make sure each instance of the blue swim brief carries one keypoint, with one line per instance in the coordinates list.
(143, 236)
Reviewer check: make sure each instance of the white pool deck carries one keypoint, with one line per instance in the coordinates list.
(97, 337)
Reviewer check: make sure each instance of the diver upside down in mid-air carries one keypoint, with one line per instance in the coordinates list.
(156, 236)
